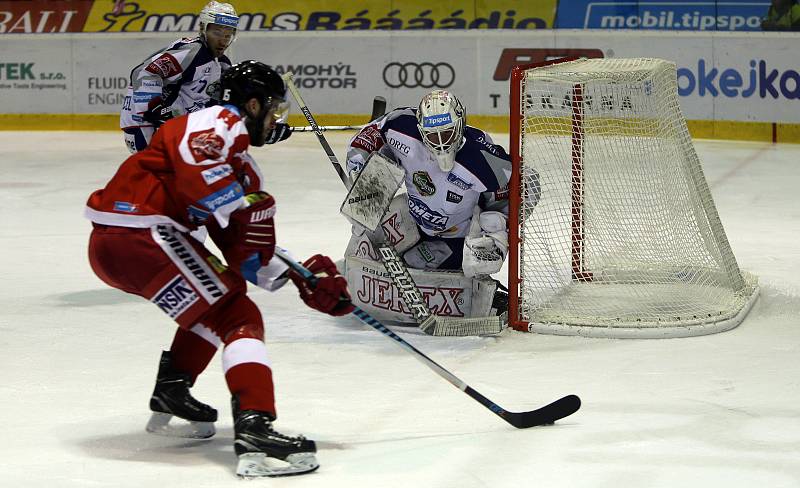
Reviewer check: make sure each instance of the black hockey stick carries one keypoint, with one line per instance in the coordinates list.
(545, 415)
(378, 109)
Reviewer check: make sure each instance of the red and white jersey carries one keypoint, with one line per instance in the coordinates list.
(196, 167)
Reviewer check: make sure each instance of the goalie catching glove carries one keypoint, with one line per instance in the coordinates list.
(329, 295)
(486, 245)
(252, 232)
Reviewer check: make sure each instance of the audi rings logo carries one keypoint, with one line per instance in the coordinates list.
(419, 75)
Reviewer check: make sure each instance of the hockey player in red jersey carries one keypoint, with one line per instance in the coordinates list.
(197, 172)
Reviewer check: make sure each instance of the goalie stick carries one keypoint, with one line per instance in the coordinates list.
(545, 415)
(378, 109)
(401, 278)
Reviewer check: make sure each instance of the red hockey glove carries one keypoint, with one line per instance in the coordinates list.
(330, 294)
(253, 230)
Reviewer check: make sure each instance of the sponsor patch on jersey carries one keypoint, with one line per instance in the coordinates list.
(422, 180)
(222, 197)
(126, 207)
(437, 120)
(454, 197)
(206, 144)
(400, 146)
(455, 180)
(176, 297)
(425, 216)
(144, 97)
(165, 66)
(213, 175)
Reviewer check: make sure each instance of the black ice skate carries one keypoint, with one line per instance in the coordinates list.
(264, 452)
(171, 397)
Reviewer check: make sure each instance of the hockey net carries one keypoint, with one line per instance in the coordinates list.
(625, 240)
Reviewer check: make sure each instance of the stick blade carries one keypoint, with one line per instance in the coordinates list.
(563, 407)
(378, 107)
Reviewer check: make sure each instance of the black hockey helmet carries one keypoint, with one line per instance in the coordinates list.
(252, 79)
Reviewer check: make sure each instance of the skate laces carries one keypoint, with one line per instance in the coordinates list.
(267, 423)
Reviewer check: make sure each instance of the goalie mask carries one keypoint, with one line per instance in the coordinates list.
(440, 119)
(223, 22)
(252, 79)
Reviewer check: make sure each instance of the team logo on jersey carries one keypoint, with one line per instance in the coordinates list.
(369, 139)
(165, 66)
(422, 180)
(454, 197)
(456, 180)
(425, 216)
(175, 297)
(206, 144)
(213, 175)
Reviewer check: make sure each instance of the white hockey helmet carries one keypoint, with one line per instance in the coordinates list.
(441, 120)
(218, 13)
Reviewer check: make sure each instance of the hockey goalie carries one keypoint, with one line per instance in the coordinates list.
(450, 223)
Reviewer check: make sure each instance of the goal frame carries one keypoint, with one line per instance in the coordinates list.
(579, 273)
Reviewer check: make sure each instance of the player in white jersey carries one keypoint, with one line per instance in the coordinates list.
(182, 78)
(456, 182)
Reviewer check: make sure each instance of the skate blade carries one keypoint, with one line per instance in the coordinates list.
(258, 464)
(159, 424)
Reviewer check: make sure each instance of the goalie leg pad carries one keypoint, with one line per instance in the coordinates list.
(447, 293)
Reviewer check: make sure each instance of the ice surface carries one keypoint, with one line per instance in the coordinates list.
(78, 359)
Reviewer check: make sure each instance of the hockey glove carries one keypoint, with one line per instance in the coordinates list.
(330, 294)
(279, 133)
(486, 247)
(157, 113)
(253, 231)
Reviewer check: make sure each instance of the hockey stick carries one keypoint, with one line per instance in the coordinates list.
(394, 265)
(545, 415)
(378, 109)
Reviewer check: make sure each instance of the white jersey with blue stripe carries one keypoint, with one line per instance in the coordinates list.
(441, 202)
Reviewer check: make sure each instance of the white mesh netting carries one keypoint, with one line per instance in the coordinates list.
(625, 240)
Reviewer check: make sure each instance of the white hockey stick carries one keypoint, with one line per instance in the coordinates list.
(378, 109)
(401, 278)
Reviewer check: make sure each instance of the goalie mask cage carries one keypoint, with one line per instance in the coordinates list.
(625, 240)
